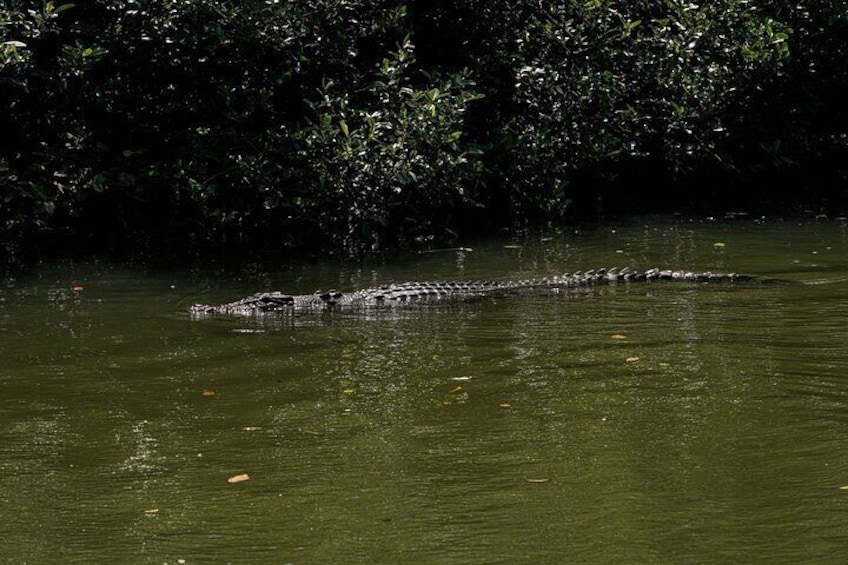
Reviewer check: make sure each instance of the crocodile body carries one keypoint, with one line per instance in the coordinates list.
(429, 292)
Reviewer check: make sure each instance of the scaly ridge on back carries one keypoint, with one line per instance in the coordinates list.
(422, 292)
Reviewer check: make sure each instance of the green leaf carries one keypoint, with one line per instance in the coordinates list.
(344, 128)
(63, 7)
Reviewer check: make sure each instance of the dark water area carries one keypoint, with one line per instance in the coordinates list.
(661, 423)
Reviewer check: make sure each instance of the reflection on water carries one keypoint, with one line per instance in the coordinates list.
(714, 430)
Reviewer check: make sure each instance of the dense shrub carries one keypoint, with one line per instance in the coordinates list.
(350, 123)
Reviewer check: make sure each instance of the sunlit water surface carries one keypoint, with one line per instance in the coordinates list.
(516, 430)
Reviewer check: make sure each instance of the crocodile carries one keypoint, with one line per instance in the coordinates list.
(431, 292)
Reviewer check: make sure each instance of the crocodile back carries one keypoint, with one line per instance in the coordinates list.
(423, 292)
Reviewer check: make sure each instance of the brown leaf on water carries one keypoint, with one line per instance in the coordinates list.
(631, 359)
(78, 288)
(208, 393)
(537, 481)
(238, 478)
(618, 336)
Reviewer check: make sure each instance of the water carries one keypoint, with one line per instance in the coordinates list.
(501, 431)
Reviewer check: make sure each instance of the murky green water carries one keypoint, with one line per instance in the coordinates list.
(507, 431)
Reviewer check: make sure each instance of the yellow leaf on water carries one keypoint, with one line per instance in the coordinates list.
(152, 511)
(457, 389)
(719, 245)
(664, 365)
(618, 336)
(348, 391)
(239, 478)
(844, 488)
(447, 402)
(505, 405)
(537, 481)
(632, 359)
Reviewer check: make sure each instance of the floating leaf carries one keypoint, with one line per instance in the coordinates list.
(238, 478)
(537, 481)
(844, 488)
(505, 405)
(348, 391)
(152, 511)
(719, 245)
(618, 336)
(457, 389)
(78, 288)
(208, 393)
(632, 359)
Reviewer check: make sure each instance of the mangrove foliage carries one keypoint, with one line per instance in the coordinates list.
(349, 124)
